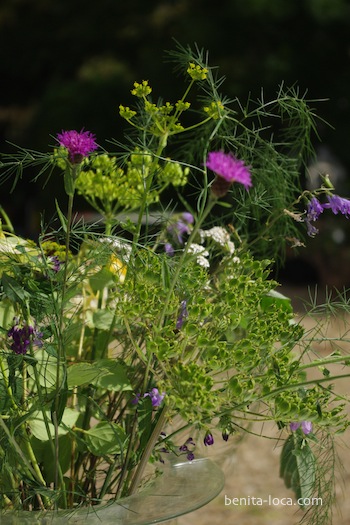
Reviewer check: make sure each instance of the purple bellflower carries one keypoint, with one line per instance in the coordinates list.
(338, 205)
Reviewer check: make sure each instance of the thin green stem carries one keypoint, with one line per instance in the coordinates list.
(148, 450)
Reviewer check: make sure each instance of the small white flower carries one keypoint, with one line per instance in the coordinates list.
(202, 254)
(218, 235)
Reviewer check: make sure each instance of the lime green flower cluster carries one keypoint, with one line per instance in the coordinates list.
(165, 117)
(108, 187)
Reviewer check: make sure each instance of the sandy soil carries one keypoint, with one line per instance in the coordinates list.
(253, 470)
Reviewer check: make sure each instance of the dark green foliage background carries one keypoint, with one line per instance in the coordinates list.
(69, 64)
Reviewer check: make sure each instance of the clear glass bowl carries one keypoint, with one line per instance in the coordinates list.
(182, 487)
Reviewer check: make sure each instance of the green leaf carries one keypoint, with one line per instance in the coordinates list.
(46, 366)
(297, 467)
(82, 374)
(274, 297)
(61, 217)
(38, 428)
(113, 376)
(101, 279)
(105, 438)
(13, 290)
(103, 319)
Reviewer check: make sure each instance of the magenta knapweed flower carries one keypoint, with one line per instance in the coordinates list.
(306, 426)
(78, 143)
(228, 169)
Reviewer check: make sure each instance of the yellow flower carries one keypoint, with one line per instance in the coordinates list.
(117, 267)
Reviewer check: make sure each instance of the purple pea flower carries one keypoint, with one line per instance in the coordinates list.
(155, 396)
(306, 426)
(23, 336)
(183, 314)
(208, 439)
(225, 435)
(79, 144)
(188, 448)
(228, 169)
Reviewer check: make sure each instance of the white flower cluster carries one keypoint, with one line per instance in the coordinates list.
(220, 236)
(201, 253)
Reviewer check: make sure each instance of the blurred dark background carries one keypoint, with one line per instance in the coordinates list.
(68, 64)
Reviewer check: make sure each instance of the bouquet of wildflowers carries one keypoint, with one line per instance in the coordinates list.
(129, 338)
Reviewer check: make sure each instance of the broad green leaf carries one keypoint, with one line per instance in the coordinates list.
(47, 369)
(44, 456)
(297, 467)
(274, 297)
(7, 313)
(101, 279)
(38, 428)
(12, 289)
(113, 376)
(82, 374)
(105, 438)
(103, 319)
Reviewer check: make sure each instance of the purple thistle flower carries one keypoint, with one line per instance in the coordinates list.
(208, 439)
(155, 396)
(23, 336)
(338, 205)
(182, 315)
(79, 144)
(228, 169)
(306, 426)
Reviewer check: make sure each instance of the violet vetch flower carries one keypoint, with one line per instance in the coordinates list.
(79, 144)
(228, 170)
(155, 396)
(182, 315)
(306, 426)
(208, 439)
(338, 205)
(22, 336)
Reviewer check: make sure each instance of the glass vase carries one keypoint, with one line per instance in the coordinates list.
(182, 487)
